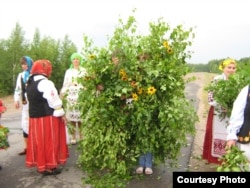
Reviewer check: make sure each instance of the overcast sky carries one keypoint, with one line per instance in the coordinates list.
(222, 26)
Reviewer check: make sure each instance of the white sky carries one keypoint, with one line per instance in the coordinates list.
(222, 26)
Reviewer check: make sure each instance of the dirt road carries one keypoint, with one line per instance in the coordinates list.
(196, 163)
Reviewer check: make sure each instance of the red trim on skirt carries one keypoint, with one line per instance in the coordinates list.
(207, 145)
(47, 147)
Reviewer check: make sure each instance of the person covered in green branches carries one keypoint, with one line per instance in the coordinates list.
(145, 159)
(141, 106)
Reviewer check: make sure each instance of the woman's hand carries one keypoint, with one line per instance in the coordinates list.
(230, 143)
(64, 119)
(17, 104)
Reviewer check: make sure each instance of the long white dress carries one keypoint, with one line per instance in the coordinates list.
(71, 89)
(219, 128)
(25, 107)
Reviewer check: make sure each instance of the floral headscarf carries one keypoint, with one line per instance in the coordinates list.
(43, 67)
(226, 62)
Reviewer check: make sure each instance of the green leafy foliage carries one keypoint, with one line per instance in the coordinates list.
(4, 137)
(158, 119)
(225, 92)
(233, 161)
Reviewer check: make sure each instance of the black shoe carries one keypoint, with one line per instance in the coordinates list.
(52, 172)
(23, 152)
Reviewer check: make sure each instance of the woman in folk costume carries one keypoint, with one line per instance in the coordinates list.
(70, 90)
(20, 96)
(239, 124)
(47, 147)
(215, 135)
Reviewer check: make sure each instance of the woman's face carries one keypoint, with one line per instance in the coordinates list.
(24, 66)
(76, 62)
(229, 69)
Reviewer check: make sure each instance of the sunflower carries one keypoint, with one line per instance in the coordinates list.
(122, 73)
(92, 56)
(135, 97)
(151, 90)
(140, 91)
(169, 50)
(165, 44)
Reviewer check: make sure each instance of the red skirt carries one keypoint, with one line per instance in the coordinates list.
(207, 145)
(47, 147)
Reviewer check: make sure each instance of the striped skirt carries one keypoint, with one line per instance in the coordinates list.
(47, 147)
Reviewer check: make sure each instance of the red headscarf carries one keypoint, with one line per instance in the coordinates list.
(2, 107)
(43, 67)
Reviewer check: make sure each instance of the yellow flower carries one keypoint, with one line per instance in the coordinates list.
(169, 50)
(92, 56)
(165, 44)
(124, 78)
(122, 73)
(151, 90)
(139, 91)
(135, 97)
(87, 77)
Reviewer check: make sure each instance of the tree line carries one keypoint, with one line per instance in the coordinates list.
(58, 52)
(16, 46)
(213, 65)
